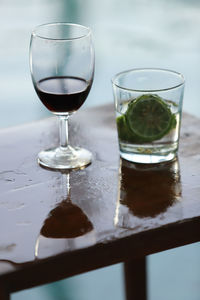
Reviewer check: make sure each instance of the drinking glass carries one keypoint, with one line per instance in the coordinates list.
(148, 106)
(62, 69)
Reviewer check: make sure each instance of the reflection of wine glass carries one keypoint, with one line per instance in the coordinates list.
(62, 69)
(66, 220)
(66, 227)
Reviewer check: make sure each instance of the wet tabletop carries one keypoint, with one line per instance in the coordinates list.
(106, 213)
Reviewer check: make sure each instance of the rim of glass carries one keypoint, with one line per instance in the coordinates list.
(35, 34)
(149, 69)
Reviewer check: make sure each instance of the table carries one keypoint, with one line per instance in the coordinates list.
(54, 225)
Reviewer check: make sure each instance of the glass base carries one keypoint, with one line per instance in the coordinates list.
(65, 159)
(147, 159)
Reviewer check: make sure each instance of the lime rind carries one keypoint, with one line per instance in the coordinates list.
(124, 132)
(148, 118)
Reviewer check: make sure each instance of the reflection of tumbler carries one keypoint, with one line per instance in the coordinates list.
(148, 191)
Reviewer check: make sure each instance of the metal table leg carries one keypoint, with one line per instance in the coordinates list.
(4, 293)
(135, 279)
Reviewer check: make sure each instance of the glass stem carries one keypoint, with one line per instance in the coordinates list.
(63, 127)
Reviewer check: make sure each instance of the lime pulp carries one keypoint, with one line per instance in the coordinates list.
(147, 119)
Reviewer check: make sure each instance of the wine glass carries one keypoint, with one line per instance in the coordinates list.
(62, 70)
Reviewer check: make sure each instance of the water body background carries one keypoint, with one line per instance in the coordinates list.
(127, 34)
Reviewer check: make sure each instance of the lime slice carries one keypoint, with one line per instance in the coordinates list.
(124, 132)
(149, 118)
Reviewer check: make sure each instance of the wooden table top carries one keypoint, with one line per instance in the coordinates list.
(54, 225)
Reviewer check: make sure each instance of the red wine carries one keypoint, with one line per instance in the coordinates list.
(62, 94)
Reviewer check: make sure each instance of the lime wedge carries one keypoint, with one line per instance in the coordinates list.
(149, 118)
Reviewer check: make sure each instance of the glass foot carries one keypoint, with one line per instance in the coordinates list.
(65, 159)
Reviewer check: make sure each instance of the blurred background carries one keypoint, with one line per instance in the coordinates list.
(127, 34)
